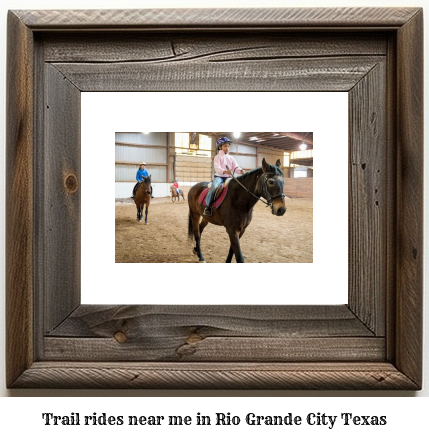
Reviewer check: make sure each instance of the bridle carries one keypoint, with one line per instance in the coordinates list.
(144, 182)
(265, 193)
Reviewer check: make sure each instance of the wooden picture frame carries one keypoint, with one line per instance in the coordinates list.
(373, 342)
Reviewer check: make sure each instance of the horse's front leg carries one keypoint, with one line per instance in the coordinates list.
(234, 238)
(145, 214)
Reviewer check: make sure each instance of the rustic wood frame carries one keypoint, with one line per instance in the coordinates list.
(373, 342)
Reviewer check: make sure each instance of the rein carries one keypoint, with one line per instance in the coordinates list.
(269, 202)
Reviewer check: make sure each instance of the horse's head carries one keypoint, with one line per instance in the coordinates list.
(271, 186)
(147, 182)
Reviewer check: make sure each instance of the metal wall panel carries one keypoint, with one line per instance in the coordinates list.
(130, 154)
(247, 162)
(159, 174)
(271, 156)
(152, 138)
(136, 154)
(240, 148)
(127, 173)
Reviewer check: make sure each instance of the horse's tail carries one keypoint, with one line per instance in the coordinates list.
(190, 228)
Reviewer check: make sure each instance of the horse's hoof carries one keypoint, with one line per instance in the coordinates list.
(146, 223)
(202, 261)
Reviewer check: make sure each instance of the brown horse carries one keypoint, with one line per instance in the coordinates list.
(175, 195)
(142, 198)
(235, 213)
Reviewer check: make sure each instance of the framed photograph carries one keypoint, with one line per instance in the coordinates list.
(374, 341)
(268, 239)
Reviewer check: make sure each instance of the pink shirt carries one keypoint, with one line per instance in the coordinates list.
(222, 161)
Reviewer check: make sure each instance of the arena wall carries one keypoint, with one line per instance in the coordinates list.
(125, 189)
(158, 150)
(301, 187)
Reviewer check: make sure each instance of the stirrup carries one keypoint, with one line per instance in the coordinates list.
(208, 211)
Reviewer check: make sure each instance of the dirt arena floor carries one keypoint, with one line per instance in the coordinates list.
(268, 238)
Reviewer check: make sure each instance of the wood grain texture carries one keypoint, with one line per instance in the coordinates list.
(192, 348)
(304, 74)
(99, 321)
(61, 208)
(181, 347)
(391, 191)
(215, 376)
(213, 333)
(368, 202)
(201, 46)
(186, 19)
(19, 198)
(409, 278)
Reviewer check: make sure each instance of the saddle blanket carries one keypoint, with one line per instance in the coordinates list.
(217, 202)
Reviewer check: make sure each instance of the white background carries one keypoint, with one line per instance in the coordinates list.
(107, 282)
(26, 415)
(407, 414)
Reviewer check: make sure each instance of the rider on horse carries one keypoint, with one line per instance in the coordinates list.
(141, 173)
(224, 165)
(176, 187)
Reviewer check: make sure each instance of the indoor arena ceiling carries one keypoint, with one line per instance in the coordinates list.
(287, 141)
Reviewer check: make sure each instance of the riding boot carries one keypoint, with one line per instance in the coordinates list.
(210, 198)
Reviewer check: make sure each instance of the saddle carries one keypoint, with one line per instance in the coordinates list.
(219, 196)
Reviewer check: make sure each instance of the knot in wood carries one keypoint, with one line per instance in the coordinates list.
(193, 337)
(71, 183)
(120, 337)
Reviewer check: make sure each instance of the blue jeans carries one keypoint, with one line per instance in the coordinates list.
(216, 182)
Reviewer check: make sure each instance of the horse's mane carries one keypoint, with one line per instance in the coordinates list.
(243, 177)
